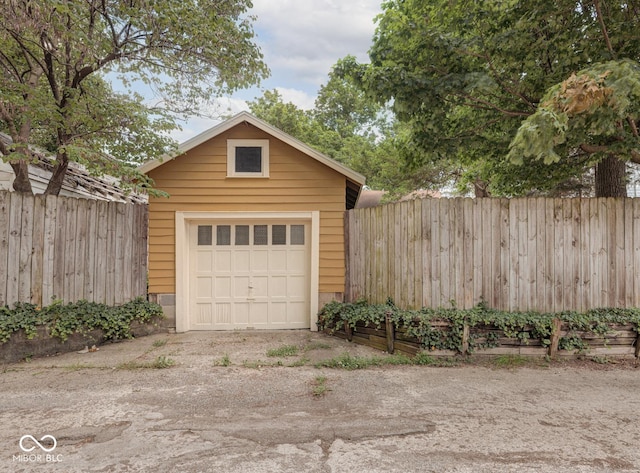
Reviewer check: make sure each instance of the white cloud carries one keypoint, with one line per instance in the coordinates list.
(299, 98)
(301, 40)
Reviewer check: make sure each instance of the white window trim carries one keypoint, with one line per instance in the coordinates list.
(231, 158)
(185, 219)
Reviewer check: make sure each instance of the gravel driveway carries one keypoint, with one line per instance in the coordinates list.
(227, 406)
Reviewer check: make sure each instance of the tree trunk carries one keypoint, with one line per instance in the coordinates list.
(21, 183)
(611, 175)
(57, 177)
(480, 188)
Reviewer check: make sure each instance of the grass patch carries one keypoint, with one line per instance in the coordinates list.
(299, 362)
(160, 362)
(160, 343)
(510, 361)
(348, 362)
(78, 367)
(260, 364)
(319, 386)
(601, 360)
(283, 351)
(424, 359)
(224, 361)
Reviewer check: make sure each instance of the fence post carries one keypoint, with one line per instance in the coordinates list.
(555, 338)
(347, 330)
(390, 333)
(347, 259)
(637, 353)
(465, 339)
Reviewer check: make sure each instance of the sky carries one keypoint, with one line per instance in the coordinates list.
(300, 41)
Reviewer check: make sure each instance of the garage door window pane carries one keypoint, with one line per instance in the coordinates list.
(279, 235)
(297, 234)
(260, 235)
(242, 234)
(223, 235)
(204, 235)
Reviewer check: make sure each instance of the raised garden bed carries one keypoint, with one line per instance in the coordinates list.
(482, 331)
(28, 331)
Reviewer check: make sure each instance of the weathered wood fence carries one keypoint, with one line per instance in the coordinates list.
(537, 254)
(71, 249)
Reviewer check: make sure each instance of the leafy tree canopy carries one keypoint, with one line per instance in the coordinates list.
(54, 55)
(465, 74)
(351, 128)
(594, 112)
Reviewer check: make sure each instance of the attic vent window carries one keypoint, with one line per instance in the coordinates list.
(247, 158)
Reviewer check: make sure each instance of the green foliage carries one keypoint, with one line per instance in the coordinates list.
(593, 112)
(160, 362)
(442, 329)
(283, 351)
(160, 343)
(63, 320)
(319, 386)
(464, 75)
(351, 128)
(224, 361)
(510, 361)
(57, 57)
(350, 362)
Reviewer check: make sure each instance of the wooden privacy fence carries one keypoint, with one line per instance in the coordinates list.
(71, 249)
(537, 254)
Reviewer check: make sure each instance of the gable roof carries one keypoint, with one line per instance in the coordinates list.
(241, 117)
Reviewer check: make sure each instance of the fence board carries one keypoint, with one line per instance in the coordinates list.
(99, 274)
(37, 261)
(5, 205)
(49, 248)
(426, 273)
(69, 264)
(516, 254)
(629, 268)
(88, 273)
(13, 260)
(80, 249)
(26, 249)
(636, 253)
(65, 247)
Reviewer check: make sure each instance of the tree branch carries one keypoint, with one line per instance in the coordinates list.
(489, 106)
(603, 27)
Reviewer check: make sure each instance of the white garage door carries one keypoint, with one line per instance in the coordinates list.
(249, 275)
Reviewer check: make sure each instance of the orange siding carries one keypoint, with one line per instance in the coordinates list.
(197, 181)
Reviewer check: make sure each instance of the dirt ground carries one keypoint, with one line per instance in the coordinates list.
(227, 406)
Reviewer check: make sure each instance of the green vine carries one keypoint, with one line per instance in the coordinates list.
(442, 329)
(63, 320)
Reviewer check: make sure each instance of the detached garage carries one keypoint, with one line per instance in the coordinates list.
(252, 233)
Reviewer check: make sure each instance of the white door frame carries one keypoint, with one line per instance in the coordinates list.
(183, 274)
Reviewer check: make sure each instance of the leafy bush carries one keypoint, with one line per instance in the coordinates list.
(63, 320)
